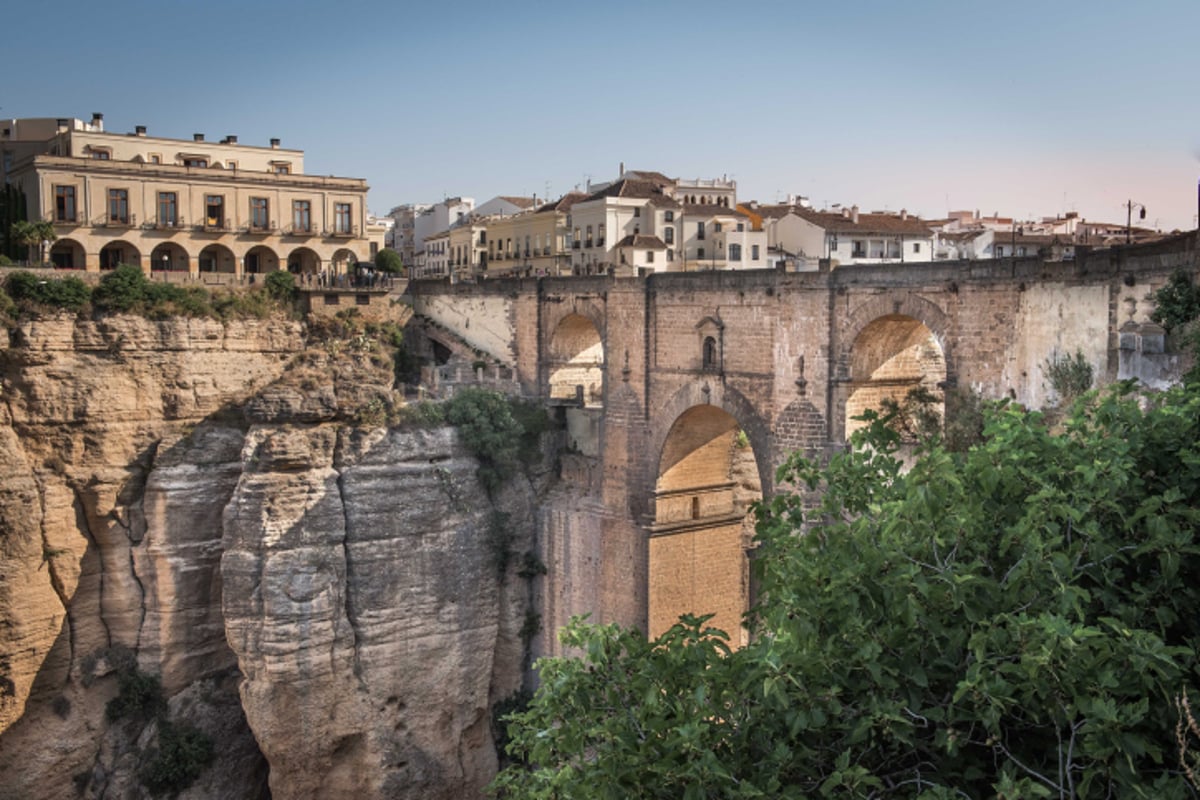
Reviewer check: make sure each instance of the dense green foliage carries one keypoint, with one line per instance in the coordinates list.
(139, 696)
(388, 260)
(281, 285)
(32, 235)
(1011, 621)
(1176, 303)
(499, 432)
(1070, 376)
(183, 753)
(69, 293)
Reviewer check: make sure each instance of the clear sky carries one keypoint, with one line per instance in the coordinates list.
(1026, 108)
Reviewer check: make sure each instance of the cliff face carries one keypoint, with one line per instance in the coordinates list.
(320, 598)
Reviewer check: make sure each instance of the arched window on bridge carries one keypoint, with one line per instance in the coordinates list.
(710, 353)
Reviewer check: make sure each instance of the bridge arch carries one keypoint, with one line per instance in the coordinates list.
(576, 359)
(708, 472)
(888, 347)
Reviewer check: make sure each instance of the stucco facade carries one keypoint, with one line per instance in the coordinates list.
(183, 206)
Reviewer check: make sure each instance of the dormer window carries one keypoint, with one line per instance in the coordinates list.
(195, 161)
(100, 154)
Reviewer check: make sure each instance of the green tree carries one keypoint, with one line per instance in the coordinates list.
(388, 260)
(1010, 621)
(33, 235)
(123, 289)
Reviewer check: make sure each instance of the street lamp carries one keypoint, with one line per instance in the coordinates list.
(1129, 204)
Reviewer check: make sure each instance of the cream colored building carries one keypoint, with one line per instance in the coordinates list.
(182, 206)
(533, 243)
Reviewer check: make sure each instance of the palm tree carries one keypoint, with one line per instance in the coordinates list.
(33, 235)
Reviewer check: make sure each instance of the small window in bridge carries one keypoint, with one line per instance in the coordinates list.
(710, 353)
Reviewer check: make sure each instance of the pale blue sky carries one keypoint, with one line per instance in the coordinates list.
(1018, 107)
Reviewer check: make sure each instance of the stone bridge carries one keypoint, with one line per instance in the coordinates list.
(684, 391)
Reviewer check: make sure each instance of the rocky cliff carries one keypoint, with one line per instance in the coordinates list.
(205, 503)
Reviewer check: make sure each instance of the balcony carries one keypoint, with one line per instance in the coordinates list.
(214, 226)
(53, 219)
(118, 221)
(298, 230)
(600, 242)
(341, 232)
(261, 229)
(587, 243)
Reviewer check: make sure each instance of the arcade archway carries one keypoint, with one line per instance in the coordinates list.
(217, 258)
(114, 254)
(67, 254)
(302, 261)
(576, 360)
(707, 479)
(169, 257)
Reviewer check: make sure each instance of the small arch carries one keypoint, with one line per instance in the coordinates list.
(260, 259)
(303, 261)
(67, 254)
(709, 358)
(343, 261)
(217, 258)
(169, 257)
(114, 254)
(576, 359)
(892, 356)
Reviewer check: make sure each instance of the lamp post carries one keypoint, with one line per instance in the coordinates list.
(1129, 204)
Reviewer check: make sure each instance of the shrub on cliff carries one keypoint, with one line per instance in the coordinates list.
(123, 289)
(1011, 621)
(27, 290)
(499, 432)
(183, 753)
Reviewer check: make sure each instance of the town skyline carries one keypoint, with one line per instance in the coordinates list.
(935, 108)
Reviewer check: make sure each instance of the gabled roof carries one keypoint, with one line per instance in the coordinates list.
(564, 203)
(648, 175)
(867, 223)
(628, 187)
(519, 202)
(642, 241)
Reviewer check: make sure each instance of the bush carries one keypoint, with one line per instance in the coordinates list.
(1069, 376)
(183, 753)
(1176, 303)
(139, 696)
(123, 289)
(281, 286)
(69, 293)
(498, 431)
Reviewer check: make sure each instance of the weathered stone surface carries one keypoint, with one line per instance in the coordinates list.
(341, 583)
(364, 602)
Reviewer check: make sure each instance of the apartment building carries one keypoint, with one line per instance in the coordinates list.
(535, 243)
(182, 206)
(797, 233)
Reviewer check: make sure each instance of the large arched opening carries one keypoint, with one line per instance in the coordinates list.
(217, 258)
(261, 259)
(68, 254)
(892, 357)
(169, 257)
(114, 254)
(707, 479)
(303, 261)
(576, 363)
(342, 261)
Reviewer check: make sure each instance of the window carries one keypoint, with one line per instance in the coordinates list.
(168, 206)
(741, 226)
(155, 158)
(214, 211)
(670, 255)
(101, 155)
(716, 227)
(230, 164)
(699, 230)
(916, 247)
(710, 353)
(754, 252)
(374, 249)
(588, 242)
(649, 256)
(260, 217)
(669, 216)
(118, 206)
(282, 169)
(301, 216)
(527, 245)
(669, 235)
(195, 162)
(735, 252)
(858, 249)
(700, 252)
(64, 203)
(637, 211)
(600, 235)
(341, 218)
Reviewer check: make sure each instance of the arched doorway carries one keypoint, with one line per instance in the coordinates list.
(343, 260)
(169, 257)
(114, 254)
(302, 261)
(217, 258)
(576, 360)
(891, 357)
(261, 259)
(67, 254)
(707, 479)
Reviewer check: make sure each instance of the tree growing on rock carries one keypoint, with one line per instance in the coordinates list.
(1010, 621)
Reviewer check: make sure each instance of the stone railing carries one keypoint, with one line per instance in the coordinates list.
(444, 381)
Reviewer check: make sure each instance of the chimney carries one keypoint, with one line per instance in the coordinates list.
(274, 144)
(231, 139)
(140, 130)
(845, 213)
(98, 120)
(197, 137)
(622, 174)
(904, 213)
(61, 124)
(854, 214)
